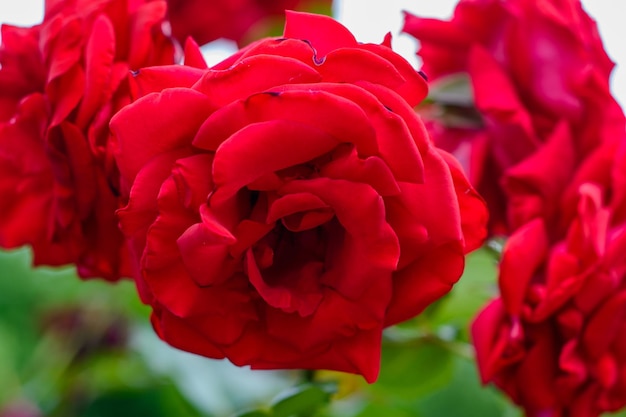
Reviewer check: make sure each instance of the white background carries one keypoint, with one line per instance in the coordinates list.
(369, 20)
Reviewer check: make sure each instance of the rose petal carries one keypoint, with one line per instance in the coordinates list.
(520, 262)
(193, 55)
(156, 79)
(361, 211)
(312, 106)
(301, 293)
(415, 87)
(347, 165)
(350, 65)
(99, 55)
(253, 75)
(251, 152)
(323, 32)
(395, 143)
(604, 324)
(146, 19)
(155, 124)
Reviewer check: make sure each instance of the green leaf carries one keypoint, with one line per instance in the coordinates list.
(25, 288)
(253, 413)
(392, 410)
(301, 401)
(411, 370)
(155, 401)
(454, 89)
(464, 396)
(8, 374)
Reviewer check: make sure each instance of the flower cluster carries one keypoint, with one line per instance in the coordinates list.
(554, 340)
(281, 207)
(541, 102)
(60, 83)
(546, 147)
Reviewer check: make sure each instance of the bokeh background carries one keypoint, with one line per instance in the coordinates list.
(73, 348)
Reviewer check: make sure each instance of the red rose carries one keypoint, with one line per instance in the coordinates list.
(538, 77)
(238, 20)
(60, 83)
(555, 341)
(289, 205)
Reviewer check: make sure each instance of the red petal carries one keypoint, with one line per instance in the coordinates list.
(323, 32)
(301, 294)
(156, 79)
(415, 87)
(62, 40)
(81, 165)
(293, 48)
(193, 55)
(293, 203)
(262, 148)
(393, 101)
(26, 178)
(204, 249)
(194, 180)
(424, 281)
(395, 142)
(347, 165)
(544, 175)
(536, 374)
(146, 21)
(182, 335)
(523, 255)
(486, 329)
(350, 65)
(474, 214)
(142, 208)
(65, 93)
(99, 55)
(361, 212)
(307, 107)
(425, 215)
(604, 325)
(253, 75)
(155, 124)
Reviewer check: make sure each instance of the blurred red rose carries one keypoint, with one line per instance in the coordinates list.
(60, 83)
(555, 341)
(289, 205)
(538, 77)
(238, 20)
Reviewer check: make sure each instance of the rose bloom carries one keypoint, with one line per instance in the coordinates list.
(539, 100)
(60, 83)
(238, 20)
(287, 204)
(555, 341)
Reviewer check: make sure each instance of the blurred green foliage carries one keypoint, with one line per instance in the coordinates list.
(65, 346)
(84, 348)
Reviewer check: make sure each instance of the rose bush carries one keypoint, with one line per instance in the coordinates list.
(60, 83)
(538, 100)
(238, 20)
(287, 204)
(555, 339)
